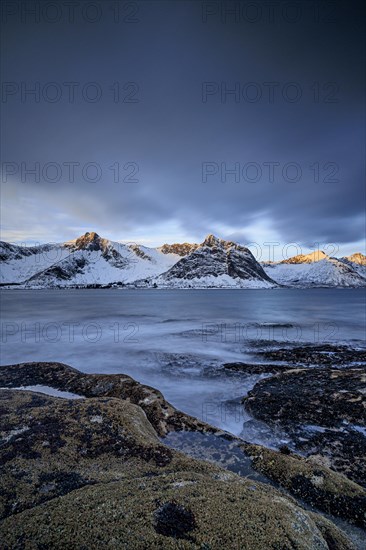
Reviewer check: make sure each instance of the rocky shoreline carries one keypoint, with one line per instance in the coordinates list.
(101, 471)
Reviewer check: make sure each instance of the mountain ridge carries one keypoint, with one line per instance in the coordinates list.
(215, 263)
(91, 260)
(315, 256)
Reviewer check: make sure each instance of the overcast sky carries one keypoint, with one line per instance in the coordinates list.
(166, 121)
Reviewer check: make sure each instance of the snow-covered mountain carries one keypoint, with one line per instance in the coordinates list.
(315, 270)
(91, 260)
(19, 263)
(357, 262)
(88, 260)
(315, 256)
(356, 258)
(214, 264)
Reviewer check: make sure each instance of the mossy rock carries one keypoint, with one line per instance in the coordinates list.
(51, 446)
(321, 396)
(321, 410)
(93, 473)
(162, 415)
(312, 482)
(184, 510)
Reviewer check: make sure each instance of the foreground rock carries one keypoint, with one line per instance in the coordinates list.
(312, 482)
(306, 479)
(323, 410)
(93, 473)
(163, 416)
(325, 397)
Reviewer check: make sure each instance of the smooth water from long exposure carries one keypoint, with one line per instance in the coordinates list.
(176, 340)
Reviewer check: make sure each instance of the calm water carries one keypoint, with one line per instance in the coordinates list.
(176, 340)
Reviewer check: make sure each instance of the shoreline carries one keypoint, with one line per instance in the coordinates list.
(330, 489)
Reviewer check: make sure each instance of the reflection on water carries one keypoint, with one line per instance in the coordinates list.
(217, 450)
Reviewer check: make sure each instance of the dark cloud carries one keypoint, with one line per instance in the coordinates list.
(162, 134)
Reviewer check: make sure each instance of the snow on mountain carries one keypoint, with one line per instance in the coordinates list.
(88, 260)
(357, 262)
(19, 263)
(91, 260)
(314, 270)
(214, 264)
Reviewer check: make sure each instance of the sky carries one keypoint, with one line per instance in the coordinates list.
(161, 121)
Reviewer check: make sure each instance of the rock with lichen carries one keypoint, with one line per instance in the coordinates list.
(162, 415)
(322, 409)
(312, 482)
(93, 473)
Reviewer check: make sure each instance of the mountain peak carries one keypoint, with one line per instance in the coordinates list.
(217, 263)
(181, 249)
(92, 235)
(211, 240)
(315, 256)
(357, 258)
(90, 240)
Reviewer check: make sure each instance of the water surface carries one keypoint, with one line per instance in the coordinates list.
(176, 340)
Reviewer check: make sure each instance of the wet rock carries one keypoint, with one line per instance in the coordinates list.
(162, 415)
(325, 354)
(322, 410)
(325, 397)
(343, 450)
(222, 451)
(255, 368)
(317, 485)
